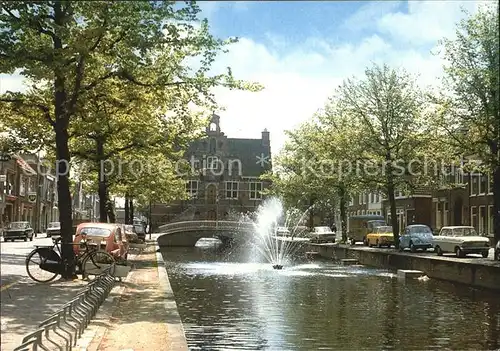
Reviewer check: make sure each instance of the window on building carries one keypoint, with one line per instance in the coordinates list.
(400, 213)
(490, 184)
(438, 215)
(474, 188)
(371, 198)
(10, 184)
(231, 190)
(490, 220)
(483, 184)
(483, 220)
(351, 201)
(192, 188)
(22, 185)
(445, 213)
(459, 176)
(360, 199)
(213, 145)
(473, 217)
(255, 190)
(32, 185)
(213, 163)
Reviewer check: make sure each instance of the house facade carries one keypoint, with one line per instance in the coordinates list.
(462, 199)
(28, 192)
(223, 180)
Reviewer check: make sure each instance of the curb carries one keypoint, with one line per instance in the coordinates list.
(176, 334)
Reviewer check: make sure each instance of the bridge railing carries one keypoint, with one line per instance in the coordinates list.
(203, 225)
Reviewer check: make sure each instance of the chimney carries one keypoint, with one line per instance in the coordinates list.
(265, 138)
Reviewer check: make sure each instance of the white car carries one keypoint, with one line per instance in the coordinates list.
(461, 240)
(282, 231)
(322, 234)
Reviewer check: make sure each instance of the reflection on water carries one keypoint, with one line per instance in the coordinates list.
(228, 304)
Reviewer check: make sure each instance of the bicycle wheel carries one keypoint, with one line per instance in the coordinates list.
(96, 263)
(43, 265)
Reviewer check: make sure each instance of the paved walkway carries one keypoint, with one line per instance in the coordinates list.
(144, 317)
(26, 304)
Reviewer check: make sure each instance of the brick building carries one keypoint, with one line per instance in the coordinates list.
(462, 199)
(28, 193)
(224, 179)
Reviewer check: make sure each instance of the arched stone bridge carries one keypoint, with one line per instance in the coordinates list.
(187, 233)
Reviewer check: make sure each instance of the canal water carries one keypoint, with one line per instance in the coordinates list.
(227, 301)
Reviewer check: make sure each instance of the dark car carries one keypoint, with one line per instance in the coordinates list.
(53, 229)
(18, 230)
(497, 251)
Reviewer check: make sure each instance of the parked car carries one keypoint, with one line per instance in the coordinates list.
(130, 233)
(140, 229)
(361, 226)
(497, 251)
(108, 237)
(461, 240)
(282, 231)
(416, 237)
(322, 234)
(18, 230)
(53, 229)
(381, 236)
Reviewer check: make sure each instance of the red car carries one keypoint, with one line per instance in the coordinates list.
(108, 236)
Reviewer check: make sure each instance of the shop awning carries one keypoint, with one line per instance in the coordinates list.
(24, 165)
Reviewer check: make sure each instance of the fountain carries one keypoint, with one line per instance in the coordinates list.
(276, 249)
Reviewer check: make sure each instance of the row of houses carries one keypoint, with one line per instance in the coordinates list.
(462, 199)
(28, 192)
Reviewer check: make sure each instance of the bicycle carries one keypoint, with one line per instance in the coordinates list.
(91, 262)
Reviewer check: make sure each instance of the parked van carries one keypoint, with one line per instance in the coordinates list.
(360, 226)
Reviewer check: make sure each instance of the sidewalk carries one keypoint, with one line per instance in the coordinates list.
(143, 317)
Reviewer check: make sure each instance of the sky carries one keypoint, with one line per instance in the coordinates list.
(300, 51)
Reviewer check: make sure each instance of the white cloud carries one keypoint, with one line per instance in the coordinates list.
(426, 21)
(12, 82)
(363, 18)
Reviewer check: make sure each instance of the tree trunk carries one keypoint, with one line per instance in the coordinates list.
(343, 212)
(496, 204)
(131, 209)
(102, 182)
(311, 213)
(61, 119)
(110, 210)
(392, 204)
(127, 209)
(64, 199)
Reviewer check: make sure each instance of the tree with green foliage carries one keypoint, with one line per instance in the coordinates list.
(66, 49)
(469, 111)
(340, 144)
(311, 170)
(388, 105)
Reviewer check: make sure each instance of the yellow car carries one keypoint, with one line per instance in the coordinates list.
(381, 236)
